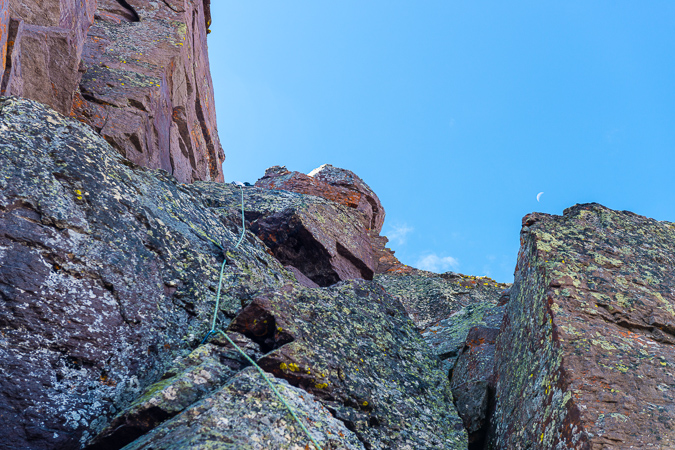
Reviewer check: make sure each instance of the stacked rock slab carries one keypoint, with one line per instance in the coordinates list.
(323, 240)
(108, 275)
(136, 71)
(44, 44)
(586, 357)
(343, 187)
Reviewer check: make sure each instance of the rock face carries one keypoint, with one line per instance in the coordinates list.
(108, 274)
(108, 281)
(136, 71)
(44, 46)
(585, 358)
(325, 241)
(332, 183)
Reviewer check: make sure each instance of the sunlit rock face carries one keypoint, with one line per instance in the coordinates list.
(136, 71)
(585, 358)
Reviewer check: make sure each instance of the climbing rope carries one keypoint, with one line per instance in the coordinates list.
(253, 363)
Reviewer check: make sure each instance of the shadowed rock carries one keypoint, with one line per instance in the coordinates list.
(326, 241)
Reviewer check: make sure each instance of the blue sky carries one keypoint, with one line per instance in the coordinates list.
(456, 113)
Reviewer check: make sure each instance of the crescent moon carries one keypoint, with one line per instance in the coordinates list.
(539, 196)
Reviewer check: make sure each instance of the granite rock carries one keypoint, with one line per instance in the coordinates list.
(586, 356)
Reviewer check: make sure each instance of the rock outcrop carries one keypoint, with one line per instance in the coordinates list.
(137, 72)
(108, 281)
(586, 356)
(114, 274)
(108, 275)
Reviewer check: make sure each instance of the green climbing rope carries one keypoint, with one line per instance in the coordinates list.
(253, 363)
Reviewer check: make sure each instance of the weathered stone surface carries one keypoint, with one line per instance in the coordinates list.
(446, 306)
(473, 383)
(353, 346)
(190, 379)
(586, 357)
(246, 414)
(332, 183)
(46, 41)
(347, 179)
(107, 273)
(324, 240)
(4, 34)
(147, 88)
(137, 72)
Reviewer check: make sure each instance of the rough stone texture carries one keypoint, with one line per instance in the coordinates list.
(347, 179)
(473, 383)
(246, 414)
(107, 273)
(147, 88)
(354, 347)
(47, 38)
(107, 279)
(136, 71)
(445, 307)
(4, 34)
(190, 379)
(324, 240)
(586, 358)
(339, 185)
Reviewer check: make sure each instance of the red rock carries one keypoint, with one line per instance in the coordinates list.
(347, 179)
(46, 40)
(147, 87)
(4, 31)
(343, 187)
(339, 185)
(586, 355)
(137, 72)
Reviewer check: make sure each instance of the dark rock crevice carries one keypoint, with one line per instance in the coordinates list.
(132, 11)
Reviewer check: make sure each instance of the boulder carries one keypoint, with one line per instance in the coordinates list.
(347, 179)
(586, 355)
(245, 413)
(339, 185)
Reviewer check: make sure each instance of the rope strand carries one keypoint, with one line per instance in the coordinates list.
(214, 331)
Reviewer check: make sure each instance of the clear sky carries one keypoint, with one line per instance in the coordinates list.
(456, 113)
